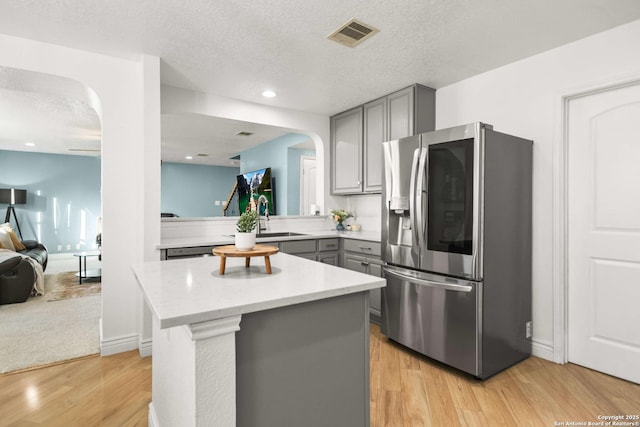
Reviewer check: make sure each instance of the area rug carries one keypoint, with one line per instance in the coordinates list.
(38, 332)
(65, 286)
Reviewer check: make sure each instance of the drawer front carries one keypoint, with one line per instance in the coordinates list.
(356, 263)
(311, 256)
(328, 245)
(276, 244)
(189, 252)
(328, 259)
(362, 246)
(298, 246)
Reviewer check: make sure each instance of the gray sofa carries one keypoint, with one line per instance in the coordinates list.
(17, 275)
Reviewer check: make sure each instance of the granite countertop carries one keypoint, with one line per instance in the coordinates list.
(185, 242)
(192, 290)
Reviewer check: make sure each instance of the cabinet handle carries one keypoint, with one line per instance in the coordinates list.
(331, 246)
(364, 264)
(364, 248)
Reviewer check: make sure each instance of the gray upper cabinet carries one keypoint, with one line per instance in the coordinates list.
(375, 133)
(406, 112)
(401, 112)
(346, 152)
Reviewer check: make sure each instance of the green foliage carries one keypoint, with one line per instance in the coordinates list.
(247, 222)
(339, 215)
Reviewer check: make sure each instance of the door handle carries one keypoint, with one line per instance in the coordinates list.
(400, 274)
(422, 164)
(412, 197)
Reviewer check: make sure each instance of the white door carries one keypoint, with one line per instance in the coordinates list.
(308, 184)
(604, 232)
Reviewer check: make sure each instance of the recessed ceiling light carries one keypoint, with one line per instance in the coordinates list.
(30, 144)
(188, 157)
(268, 94)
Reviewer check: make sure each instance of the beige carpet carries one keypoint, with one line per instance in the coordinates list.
(65, 286)
(62, 324)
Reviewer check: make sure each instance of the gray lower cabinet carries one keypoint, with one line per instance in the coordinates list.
(323, 250)
(364, 257)
(328, 251)
(189, 252)
(302, 248)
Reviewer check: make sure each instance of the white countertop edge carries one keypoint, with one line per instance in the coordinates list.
(171, 322)
(173, 243)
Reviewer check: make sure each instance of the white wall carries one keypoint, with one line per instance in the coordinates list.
(119, 87)
(524, 99)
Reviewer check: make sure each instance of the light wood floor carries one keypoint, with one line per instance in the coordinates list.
(406, 390)
(93, 391)
(410, 390)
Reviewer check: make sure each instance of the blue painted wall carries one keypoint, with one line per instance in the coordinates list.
(285, 168)
(63, 197)
(191, 190)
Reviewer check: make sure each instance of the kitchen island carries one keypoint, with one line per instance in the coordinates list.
(249, 348)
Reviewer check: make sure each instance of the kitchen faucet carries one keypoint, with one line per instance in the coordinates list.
(263, 199)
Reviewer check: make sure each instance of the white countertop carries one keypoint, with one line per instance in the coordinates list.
(191, 290)
(187, 242)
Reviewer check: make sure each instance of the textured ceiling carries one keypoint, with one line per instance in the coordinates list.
(239, 48)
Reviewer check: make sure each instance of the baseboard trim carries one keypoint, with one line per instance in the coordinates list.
(145, 347)
(118, 345)
(153, 418)
(542, 350)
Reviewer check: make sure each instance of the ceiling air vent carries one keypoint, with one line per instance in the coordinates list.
(352, 33)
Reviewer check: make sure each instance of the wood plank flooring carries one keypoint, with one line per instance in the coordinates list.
(93, 391)
(407, 390)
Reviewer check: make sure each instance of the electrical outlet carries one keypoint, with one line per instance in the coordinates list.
(528, 329)
(68, 247)
(77, 246)
(59, 248)
(217, 202)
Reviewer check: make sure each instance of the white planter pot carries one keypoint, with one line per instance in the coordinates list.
(245, 241)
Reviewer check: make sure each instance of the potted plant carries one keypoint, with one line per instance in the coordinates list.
(339, 215)
(246, 231)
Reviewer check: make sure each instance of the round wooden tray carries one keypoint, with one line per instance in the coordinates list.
(258, 250)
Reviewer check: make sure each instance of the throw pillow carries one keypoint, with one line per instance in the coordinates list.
(17, 244)
(5, 240)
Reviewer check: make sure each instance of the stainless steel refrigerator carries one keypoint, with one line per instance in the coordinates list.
(456, 242)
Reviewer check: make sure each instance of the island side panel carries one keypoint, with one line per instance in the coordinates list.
(305, 365)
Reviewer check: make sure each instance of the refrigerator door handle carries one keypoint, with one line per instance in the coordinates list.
(412, 194)
(401, 274)
(419, 214)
